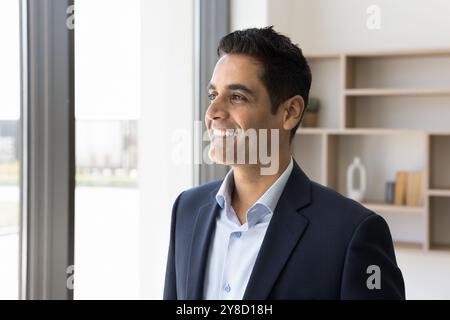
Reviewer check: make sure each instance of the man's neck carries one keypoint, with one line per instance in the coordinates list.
(250, 185)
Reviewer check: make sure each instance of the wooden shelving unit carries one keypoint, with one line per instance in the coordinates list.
(396, 92)
(391, 109)
(439, 192)
(390, 208)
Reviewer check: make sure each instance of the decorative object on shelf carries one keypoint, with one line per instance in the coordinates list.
(400, 188)
(409, 188)
(310, 118)
(352, 193)
(414, 189)
(390, 192)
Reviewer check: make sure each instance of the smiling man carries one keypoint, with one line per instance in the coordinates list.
(254, 235)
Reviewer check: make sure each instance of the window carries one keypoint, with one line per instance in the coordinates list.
(134, 74)
(107, 83)
(9, 148)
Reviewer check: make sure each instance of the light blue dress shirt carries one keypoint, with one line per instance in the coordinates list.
(235, 246)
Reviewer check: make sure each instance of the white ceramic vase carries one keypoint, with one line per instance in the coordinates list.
(352, 193)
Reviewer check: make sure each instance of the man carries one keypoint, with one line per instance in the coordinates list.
(278, 235)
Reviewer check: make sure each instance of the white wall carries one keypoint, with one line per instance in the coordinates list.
(260, 13)
(322, 26)
(248, 13)
(327, 25)
(167, 87)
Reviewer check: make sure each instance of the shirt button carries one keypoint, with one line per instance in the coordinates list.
(227, 288)
(238, 234)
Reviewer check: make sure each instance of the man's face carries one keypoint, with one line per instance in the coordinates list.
(239, 101)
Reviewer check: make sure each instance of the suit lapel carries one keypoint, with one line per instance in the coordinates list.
(283, 233)
(204, 225)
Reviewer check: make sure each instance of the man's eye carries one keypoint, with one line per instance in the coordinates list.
(211, 96)
(238, 98)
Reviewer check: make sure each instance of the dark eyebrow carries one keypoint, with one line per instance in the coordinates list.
(234, 86)
(241, 87)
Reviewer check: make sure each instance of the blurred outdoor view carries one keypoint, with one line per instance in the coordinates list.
(107, 209)
(107, 105)
(9, 208)
(9, 148)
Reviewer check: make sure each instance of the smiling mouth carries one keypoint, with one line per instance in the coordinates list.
(224, 133)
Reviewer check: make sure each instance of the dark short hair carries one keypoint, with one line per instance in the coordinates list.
(285, 71)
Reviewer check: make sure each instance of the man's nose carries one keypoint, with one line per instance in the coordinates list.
(216, 110)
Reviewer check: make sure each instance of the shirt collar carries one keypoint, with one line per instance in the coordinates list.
(268, 200)
(224, 194)
(272, 195)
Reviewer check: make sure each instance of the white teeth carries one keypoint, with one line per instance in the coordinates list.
(224, 133)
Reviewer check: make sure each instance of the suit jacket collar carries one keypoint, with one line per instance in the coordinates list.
(283, 233)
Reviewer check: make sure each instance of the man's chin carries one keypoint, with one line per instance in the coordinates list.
(220, 159)
(217, 159)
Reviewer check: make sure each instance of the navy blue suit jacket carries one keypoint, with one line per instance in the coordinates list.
(318, 245)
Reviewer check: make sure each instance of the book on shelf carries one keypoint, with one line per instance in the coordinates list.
(413, 191)
(400, 188)
(409, 188)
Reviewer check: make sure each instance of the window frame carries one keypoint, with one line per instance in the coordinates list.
(212, 22)
(47, 149)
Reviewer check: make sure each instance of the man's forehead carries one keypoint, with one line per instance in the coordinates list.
(235, 68)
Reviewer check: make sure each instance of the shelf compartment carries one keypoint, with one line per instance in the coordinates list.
(440, 222)
(398, 112)
(440, 162)
(399, 71)
(407, 224)
(406, 228)
(382, 155)
(327, 87)
(308, 152)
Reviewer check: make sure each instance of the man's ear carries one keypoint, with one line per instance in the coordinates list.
(293, 110)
